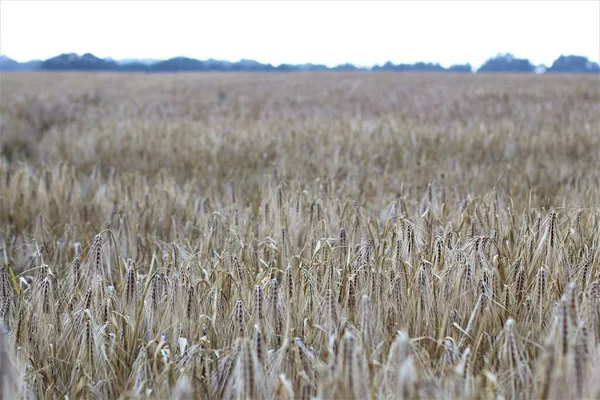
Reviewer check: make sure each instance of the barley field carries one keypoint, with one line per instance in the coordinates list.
(299, 236)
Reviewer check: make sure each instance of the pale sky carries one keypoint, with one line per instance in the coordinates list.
(363, 33)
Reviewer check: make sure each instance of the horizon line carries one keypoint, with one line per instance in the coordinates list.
(154, 60)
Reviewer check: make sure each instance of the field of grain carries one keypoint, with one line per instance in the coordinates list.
(298, 236)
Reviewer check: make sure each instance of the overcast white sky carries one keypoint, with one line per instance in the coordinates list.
(364, 33)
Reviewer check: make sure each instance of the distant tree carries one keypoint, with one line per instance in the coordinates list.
(388, 66)
(417, 67)
(574, 64)
(346, 67)
(313, 67)
(72, 61)
(251, 65)
(178, 64)
(285, 67)
(460, 68)
(507, 63)
(8, 64)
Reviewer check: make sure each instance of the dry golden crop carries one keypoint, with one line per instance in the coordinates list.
(303, 235)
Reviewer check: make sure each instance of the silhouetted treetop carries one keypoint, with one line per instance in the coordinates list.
(574, 64)
(460, 68)
(507, 63)
(8, 64)
(72, 61)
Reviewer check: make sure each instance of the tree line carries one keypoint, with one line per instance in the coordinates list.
(88, 62)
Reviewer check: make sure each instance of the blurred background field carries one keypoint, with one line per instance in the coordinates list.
(366, 133)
